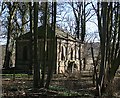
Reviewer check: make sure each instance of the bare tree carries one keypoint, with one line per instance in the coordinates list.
(108, 26)
(12, 8)
(23, 10)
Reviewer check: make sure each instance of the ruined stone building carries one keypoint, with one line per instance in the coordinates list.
(67, 50)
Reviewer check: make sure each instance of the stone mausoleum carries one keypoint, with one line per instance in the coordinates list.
(66, 50)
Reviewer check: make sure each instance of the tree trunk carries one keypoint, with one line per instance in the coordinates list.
(36, 75)
(45, 45)
(83, 23)
(95, 78)
(8, 53)
(31, 39)
(50, 68)
(102, 32)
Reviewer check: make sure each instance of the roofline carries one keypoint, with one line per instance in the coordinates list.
(68, 39)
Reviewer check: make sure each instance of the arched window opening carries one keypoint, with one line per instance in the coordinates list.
(66, 53)
(62, 54)
(71, 54)
(25, 53)
(79, 53)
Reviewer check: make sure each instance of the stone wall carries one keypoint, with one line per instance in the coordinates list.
(67, 51)
(2, 55)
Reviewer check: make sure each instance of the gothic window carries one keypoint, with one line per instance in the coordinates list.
(25, 53)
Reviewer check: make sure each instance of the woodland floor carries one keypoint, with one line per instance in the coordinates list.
(61, 85)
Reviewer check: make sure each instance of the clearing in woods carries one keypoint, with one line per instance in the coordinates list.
(68, 84)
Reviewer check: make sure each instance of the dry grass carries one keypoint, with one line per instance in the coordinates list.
(113, 89)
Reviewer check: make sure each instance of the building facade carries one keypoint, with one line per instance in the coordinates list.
(66, 50)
